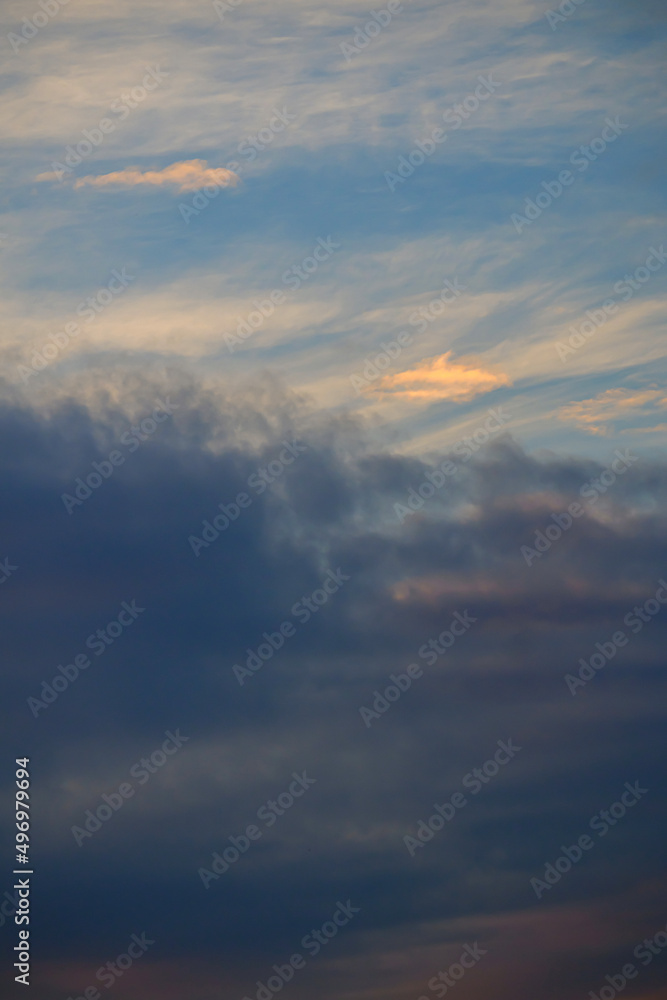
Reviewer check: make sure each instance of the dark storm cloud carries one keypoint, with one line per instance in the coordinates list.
(332, 507)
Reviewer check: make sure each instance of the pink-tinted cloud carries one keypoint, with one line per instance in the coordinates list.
(187, 175)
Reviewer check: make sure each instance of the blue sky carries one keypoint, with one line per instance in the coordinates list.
(323, 175)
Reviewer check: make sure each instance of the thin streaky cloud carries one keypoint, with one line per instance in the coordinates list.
(186, 175)
(600, 414)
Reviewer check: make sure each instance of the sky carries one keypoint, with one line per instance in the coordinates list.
(334, 497)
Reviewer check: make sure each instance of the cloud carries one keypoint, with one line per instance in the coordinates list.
(600, 414)
(331, 507)
(186, 175)
(439, 378)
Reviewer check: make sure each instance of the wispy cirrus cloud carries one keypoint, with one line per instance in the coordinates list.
(440, 378)
(186, 175)
(600, 414)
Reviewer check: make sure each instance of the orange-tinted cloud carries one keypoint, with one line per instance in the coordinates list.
(440, 378)
(598, 415)
(438, 590)
(187, 175)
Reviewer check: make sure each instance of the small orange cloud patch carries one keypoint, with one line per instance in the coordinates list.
(187, 175)
(440, 378)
